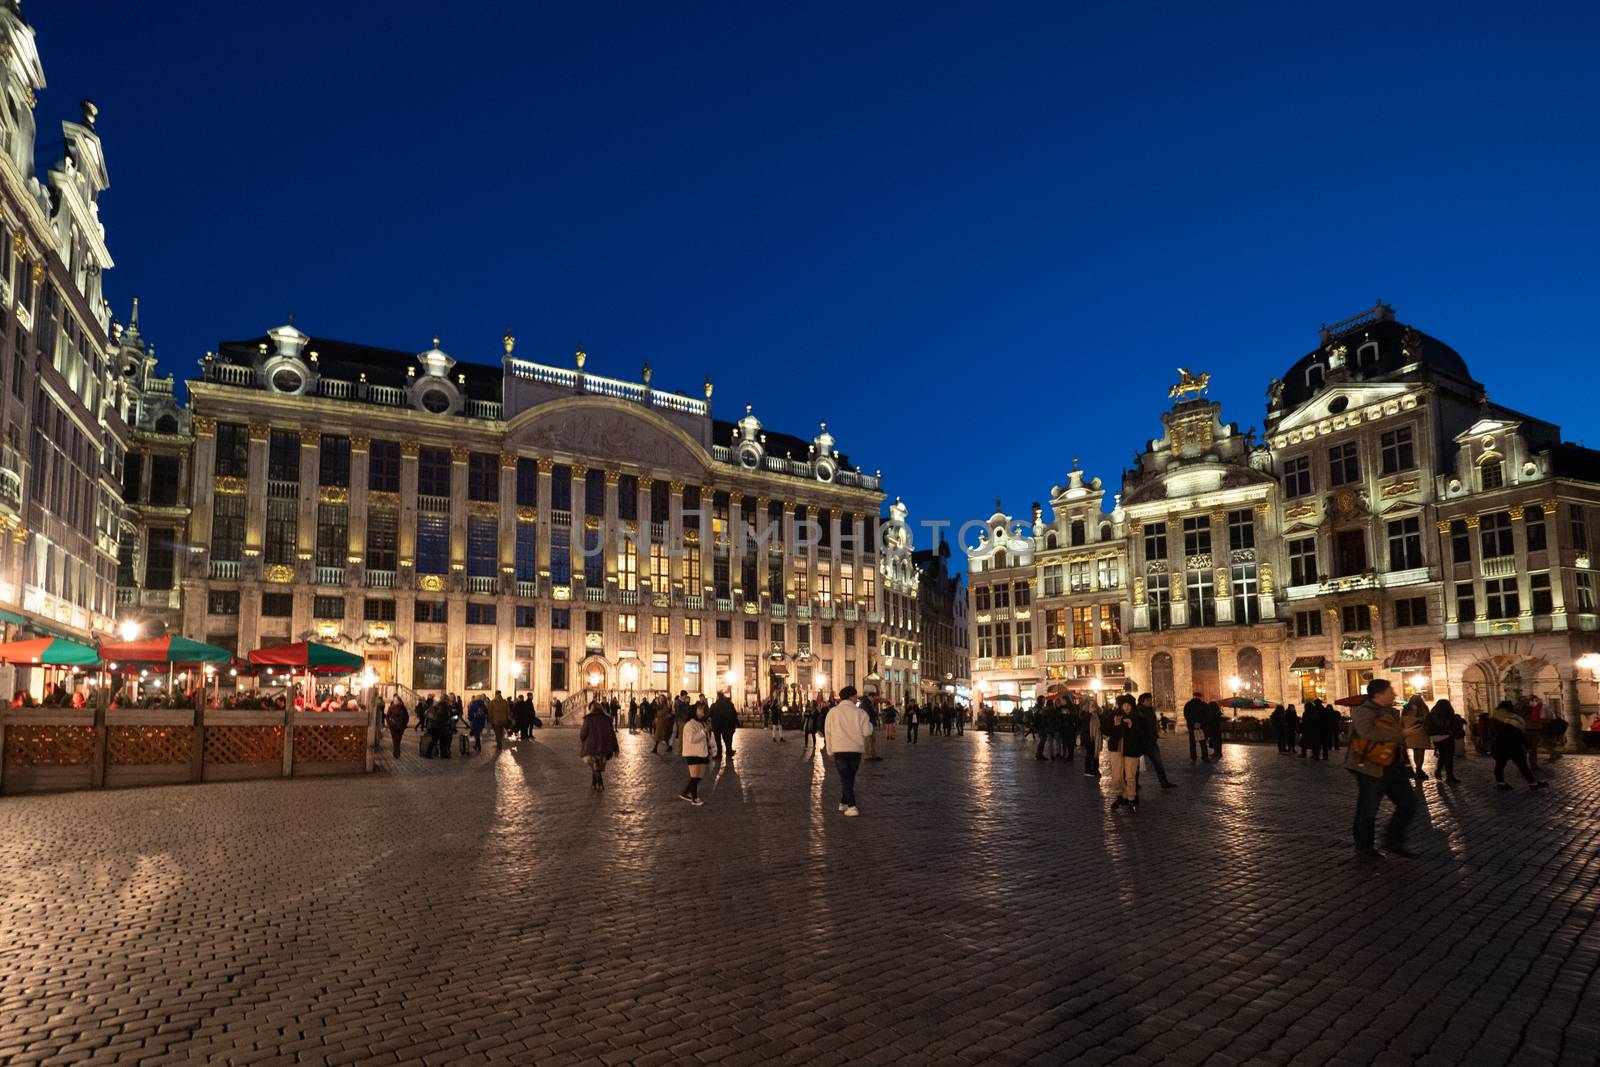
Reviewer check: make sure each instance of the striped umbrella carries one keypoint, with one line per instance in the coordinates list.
(49, 651)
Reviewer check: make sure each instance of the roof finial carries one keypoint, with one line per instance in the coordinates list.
(510, 341)
(997, 505)
(89, 111)
(708, 385)
(133, 322)
(582, 356)
(1074, 462)
(435, 342)
(291, 318)
(647, 372)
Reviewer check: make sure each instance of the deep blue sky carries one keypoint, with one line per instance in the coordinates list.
(977, 240)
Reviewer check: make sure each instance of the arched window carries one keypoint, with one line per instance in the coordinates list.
(1080, 534)
(1000, 559)
(1367, 354)
(1105, 531)
(1050, 539)
(1315, 376)
(1251, 682)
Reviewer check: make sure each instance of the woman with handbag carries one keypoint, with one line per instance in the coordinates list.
(1444, 726)
(1412, 718)
(696, 746)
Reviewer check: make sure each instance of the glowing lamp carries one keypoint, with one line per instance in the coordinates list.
(129, 630)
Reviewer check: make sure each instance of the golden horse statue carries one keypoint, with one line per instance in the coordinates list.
(1189, 383)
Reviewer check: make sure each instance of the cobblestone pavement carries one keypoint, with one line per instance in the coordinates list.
(986, 909)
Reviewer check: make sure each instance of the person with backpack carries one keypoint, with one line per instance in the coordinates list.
(1376, 759)
(1508, 743)
(1443, 727)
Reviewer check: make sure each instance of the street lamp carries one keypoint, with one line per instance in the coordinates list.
(1234, 683)
(129, 630)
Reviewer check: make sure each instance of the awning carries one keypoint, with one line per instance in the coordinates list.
(1309, 663)
(778, 668)
(1410, 659)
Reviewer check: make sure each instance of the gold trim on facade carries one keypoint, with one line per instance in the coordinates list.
(229, 484)
(279, 574)
(333, 494)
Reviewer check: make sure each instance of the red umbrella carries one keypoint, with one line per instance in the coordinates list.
(308, 656)
(1351, 702)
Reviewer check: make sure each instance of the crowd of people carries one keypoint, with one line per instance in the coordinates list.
(1388, 742)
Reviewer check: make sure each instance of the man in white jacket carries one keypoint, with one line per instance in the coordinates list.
(845, 732)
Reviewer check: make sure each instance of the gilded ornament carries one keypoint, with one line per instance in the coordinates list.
(1189, 382)
(459, 454)
(205, 426)
(333, 494)
(409, 449)
(1443, 525)
(508, 461)
(579, 472)
(360, 443)
(527, 514)
(1515, 511)
(281, 573)
(1266, 579)
(376, 498)
(677, 486)
(545, 464)
(483, 509)
(1472, 522)
(260, 431)
(646, 483)
(1394, 489)
(310, 438)
(613, 477)
(431, 583)
(229, 484)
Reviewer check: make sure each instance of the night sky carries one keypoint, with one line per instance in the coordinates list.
(977, 240)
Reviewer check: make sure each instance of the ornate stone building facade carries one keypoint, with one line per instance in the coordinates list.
(62, 427)
(942, 598)
(1001, 577)
(525, 527)
(1392, 522)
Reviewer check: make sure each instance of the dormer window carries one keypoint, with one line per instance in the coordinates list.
(1080, 533)
(1367, 355)
(1050, 539)
(1492, 474)
(1316, 374)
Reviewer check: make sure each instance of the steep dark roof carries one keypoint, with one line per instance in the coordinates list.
(1576, 461)
(778, 444)
(1392, 356)
(347, 361)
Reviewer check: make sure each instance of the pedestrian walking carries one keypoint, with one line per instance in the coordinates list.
(1194, 718)
(913, 720)
(868, 704)
(597, 743)
(633, 715)
(846, 732)
(1089, 734)
(889, 715)
(724, 721)
(395, 717)
(811, 722)
(1376, 759)
(1145, 712)
(1413, 719)
(1214, 728)
(1128, 743)
(1508, 743)
(696, 753)
(499, 719)
(1444, 726)
(477, 719)
(664, 724)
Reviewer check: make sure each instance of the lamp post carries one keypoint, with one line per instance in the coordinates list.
(130, 629)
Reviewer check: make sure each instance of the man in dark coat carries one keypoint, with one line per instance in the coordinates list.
(724, 721)
(1194, 715)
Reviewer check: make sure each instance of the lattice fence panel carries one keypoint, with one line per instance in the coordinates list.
(146, 745)
(244, 744)
(330, 744)
(30, 745)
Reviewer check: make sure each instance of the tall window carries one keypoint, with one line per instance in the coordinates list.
(433, 471)
(1241, 529)
(383, 531)
(433, 544)
(1303, 561)
(1500, 598)
(1308, 624)
(1021, 595)
(1344, 467)
(1578, 530)
(1350, 552)
(1052, 580)
(661, 574)
(1002, 595)
(594, 559)
(561, 487)
(1297, 476)
(160, 559)
(383, 466)
(1023, 637)
(980, 598)
(479, 667)
(483, 476)
(1397, 451)
(1197, 535)
(1493, 474)
(283, 456)
(1405, 544)
(1109, 572)
(1533, 526)
(1585, 588)
(333, 462)
(1155, 540)
(1356, 618)
(1158, 597)
(1466, 605)
(233, 450)
(427, 667)
(1539, 593)
(527, 483)
(1082, 627)
(594, 493)
(483, 537)
(1202, 605)
(1055, 628)
(561, 555)
(628, 566)
(1411, 611)
(1246, 608)
(985, 641)
(1460, 542)
(283, 522)
(227, 527)
(527, 552)
(333, 534)
(1494, 534)
(1110, 624)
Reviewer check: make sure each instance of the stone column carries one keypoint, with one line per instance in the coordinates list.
(545, 527)
(255, 508)
(406, 535)
(458, 517)
(356, 519)
(708, 496)
(507, 537)
(676, 548)
(609, 525)
(310, 497)
(580, 531)
(736, 550)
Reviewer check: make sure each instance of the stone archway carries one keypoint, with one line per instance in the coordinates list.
(594, 674)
